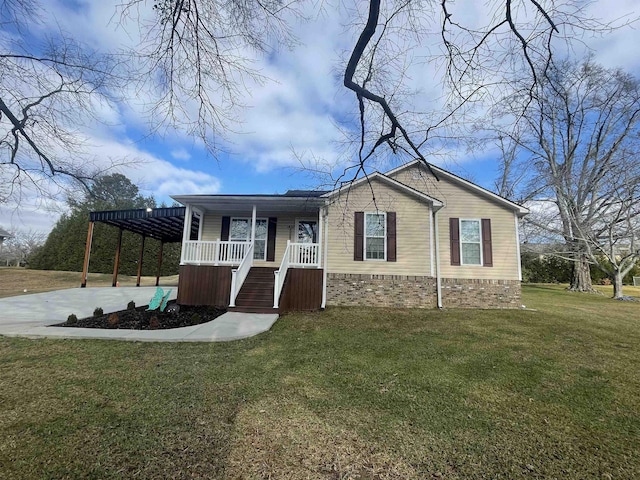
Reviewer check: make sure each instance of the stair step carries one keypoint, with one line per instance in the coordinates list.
(247, 309)
(256, 294)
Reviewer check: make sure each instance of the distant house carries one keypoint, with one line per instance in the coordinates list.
(4, 235)
(400, 238)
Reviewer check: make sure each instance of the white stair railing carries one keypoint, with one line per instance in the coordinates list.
(238, 275)
(280, 275)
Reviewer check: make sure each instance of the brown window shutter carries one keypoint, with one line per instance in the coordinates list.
(226, 223)
(487, 253)
(358, 236)
(454, 239)
(271, 239)
(391, 236)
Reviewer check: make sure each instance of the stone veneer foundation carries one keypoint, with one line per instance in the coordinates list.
(348, 289)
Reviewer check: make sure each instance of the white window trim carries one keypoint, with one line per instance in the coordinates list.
(479, 221)
(264, 259)
(364, 238)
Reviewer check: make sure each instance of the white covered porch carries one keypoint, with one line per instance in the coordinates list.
(241, 232)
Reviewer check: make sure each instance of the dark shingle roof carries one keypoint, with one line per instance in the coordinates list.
(305, 193)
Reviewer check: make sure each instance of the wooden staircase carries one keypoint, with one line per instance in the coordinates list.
(256, 294)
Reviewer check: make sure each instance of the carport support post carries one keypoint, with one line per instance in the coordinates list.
(87, 254)
(140, 262)
(159, 263)
(116, 262)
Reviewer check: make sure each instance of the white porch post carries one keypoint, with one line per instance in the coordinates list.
(325, 242)
(320, 231)
(186, 231)
(200, 216)
(253, 225)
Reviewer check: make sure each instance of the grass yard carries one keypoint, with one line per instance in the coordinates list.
(344, 394)
(14, 281)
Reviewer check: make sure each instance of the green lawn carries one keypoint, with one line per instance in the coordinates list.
(348, 393)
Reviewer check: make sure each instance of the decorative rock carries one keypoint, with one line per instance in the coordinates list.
(173, 308)
(113, 319)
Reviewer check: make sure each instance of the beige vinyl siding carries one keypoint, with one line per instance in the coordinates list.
(285, 230)
(212, 227)
(412, 230)
(461, 202)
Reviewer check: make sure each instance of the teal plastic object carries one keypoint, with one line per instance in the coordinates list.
(157, 299)
(165, 300)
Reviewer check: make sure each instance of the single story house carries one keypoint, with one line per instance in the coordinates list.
(403, 238)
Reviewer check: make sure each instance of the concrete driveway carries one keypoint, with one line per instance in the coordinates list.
(31, 316)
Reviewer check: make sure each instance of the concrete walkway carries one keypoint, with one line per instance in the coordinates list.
(30, 316)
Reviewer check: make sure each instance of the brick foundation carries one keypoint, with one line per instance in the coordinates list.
(381, 290)
(475, 293)
(409, 291)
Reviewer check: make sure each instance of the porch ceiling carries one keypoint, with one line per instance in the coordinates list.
(229, 204)
(165, 224)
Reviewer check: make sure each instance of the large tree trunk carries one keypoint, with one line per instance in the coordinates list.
(617, 284)
(581, 275)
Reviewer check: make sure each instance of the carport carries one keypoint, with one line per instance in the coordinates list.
(165, 224)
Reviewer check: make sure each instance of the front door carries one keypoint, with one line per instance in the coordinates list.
(307, 231)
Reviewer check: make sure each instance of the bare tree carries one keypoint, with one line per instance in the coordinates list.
(196, 55)
(48, 90)
(17, 248)
(614, 244)
(575, 142)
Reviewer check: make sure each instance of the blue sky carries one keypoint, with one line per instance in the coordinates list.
(299, 112)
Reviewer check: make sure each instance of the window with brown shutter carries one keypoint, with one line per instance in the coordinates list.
(271, 239)
(487, 253)
(454, 239)
(391, 237)
(224, 234)
(358, 236)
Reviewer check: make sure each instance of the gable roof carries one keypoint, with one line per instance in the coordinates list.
(4, 233)
(437, 204)
(519, 209)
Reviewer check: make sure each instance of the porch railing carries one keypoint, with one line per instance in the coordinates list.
(295, 255)
(304, 254)
(281, 274)
(216, 252)
(238, 275)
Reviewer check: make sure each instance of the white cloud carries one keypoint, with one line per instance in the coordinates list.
(180, 154)
(299, 109)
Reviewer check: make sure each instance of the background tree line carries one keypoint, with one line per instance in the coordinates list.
(65, 245)
(537, 268)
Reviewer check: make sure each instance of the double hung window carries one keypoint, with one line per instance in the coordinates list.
(375, 227)
(470, 242)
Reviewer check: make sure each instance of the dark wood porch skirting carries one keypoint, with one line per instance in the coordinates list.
(204, 285)
(209, 285)
(302, 290)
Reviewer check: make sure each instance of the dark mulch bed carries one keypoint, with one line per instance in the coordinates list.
(141, 319)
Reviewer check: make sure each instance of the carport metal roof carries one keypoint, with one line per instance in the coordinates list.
(164, 224)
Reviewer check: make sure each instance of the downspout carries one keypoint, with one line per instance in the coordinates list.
(432, 258)
(515, 216)
(438, 279)
(324, 257)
